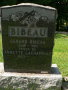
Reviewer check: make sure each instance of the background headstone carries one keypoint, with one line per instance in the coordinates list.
(28, 37)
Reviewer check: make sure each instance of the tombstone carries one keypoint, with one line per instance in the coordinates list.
(28, 37)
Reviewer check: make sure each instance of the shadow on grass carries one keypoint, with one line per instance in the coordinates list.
(58, 35)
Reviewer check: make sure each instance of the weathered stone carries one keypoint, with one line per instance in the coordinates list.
(30, 81)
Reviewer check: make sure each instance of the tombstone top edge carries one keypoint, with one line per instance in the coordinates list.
(29, 4)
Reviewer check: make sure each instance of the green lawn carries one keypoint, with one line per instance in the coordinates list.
(60, 52)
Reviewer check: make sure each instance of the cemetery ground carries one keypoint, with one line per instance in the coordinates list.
(60, 52)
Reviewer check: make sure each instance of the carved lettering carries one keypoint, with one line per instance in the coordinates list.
(27, 32)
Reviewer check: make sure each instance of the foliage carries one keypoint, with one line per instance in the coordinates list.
(62, 8)
(33, 86)
(7, 2)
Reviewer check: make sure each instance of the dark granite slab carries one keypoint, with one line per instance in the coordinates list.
(28, 37)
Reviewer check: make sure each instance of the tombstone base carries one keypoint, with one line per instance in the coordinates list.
(30, 81)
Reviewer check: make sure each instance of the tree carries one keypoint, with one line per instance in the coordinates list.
(7, 2)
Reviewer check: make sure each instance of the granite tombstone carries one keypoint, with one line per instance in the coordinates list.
(28, 37)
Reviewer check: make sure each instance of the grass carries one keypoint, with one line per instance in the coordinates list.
(60, 53)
